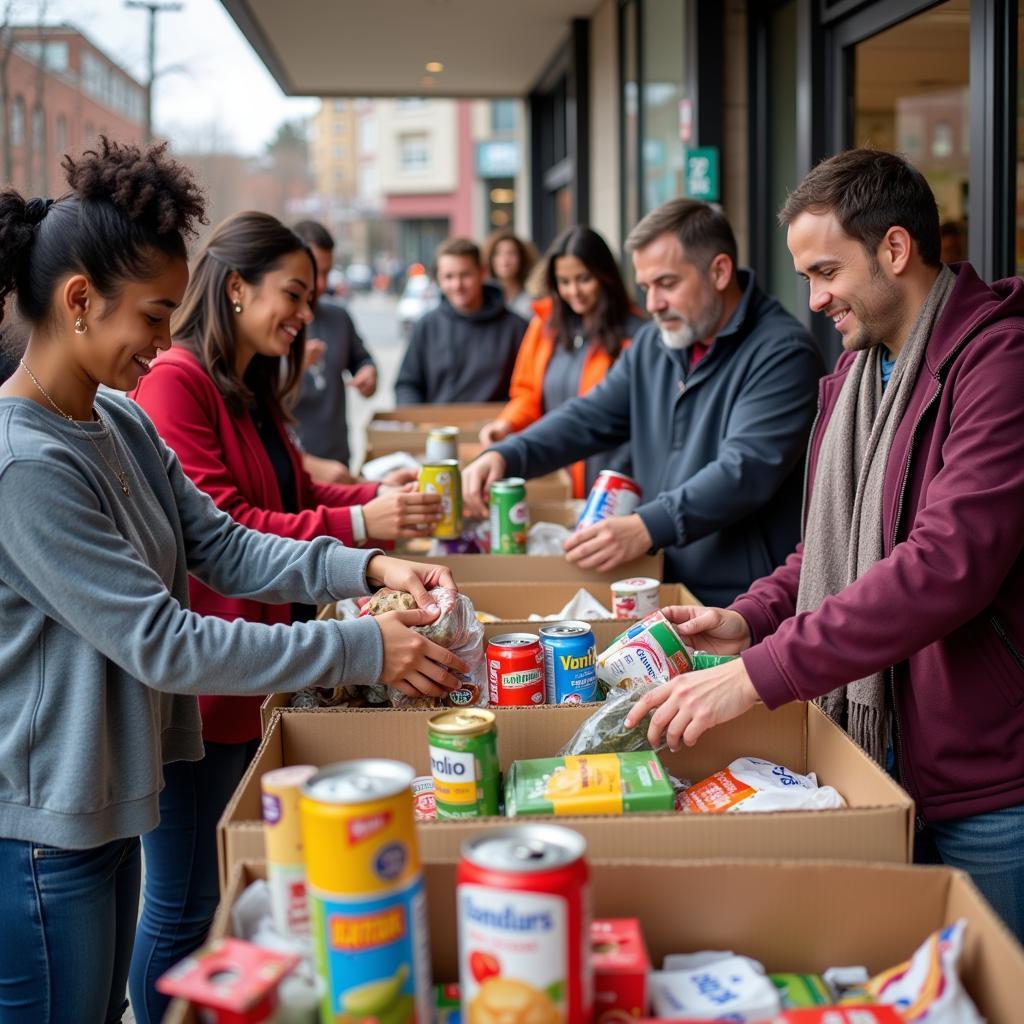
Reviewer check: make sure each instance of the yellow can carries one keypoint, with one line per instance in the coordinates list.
(443, 477)
(286, 872)
(366, 899)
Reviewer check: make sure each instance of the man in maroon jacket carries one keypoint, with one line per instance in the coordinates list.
(902, 610)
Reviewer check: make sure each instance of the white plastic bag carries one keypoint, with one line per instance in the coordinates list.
(753, 784)
(547, 539)
(582, 606)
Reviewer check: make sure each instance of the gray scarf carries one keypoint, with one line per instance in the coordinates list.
(843, 536)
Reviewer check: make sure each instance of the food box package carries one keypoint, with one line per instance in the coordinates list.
(592, 784)
(621, 965)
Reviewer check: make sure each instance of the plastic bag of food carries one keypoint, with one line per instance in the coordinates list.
(753, 784)
(457, 630)
(605, 732)
(927, 989)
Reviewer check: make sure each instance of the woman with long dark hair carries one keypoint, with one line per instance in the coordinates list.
(216, 397)
(509, 260)
(576, 334)
(100, 655)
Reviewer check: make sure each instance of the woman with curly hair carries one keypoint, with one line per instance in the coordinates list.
(509, 260)
(100, 656)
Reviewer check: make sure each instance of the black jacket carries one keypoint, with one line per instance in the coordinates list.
(457, 357)
(717, 450)
(320, 407)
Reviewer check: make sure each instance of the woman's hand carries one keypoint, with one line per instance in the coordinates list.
(400, 477)
(414, 578)
(716, 630)
(495, 431)
(402, 513)
(412, 663)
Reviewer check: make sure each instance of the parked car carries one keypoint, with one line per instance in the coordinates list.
(419, 296)
(359, 277)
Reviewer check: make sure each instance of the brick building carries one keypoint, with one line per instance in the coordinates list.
(62, 92)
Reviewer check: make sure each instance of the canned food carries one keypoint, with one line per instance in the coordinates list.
(704, 659)
(570, 659)
(635, 598)
(367, 903)
(286, 872)
(510, 516)
(523, 905)
(515, 670)
(464, 763)
(613, 494)
(443, 478)
(424, 803)
(649, 652)
(443, 444)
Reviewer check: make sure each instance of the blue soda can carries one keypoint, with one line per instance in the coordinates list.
(570, 663)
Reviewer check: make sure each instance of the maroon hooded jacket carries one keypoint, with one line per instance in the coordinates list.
(945, 605)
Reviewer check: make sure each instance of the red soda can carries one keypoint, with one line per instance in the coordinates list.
(523, 906)
(613, 494)
(515, 670)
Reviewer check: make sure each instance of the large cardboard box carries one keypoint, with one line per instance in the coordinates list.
(405, 429)
(792, 916)
(604, 633)
(876, 826)
(512, 602)
(528, 569)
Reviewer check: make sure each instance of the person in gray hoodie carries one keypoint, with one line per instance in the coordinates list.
(715, 396)
(465, 350)
(101, 658)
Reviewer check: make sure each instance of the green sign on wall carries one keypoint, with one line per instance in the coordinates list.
(702, 174)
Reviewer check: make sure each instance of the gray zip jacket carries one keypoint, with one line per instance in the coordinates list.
(100, 657)
(717, 450)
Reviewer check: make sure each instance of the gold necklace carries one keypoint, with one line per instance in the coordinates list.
(122, 476)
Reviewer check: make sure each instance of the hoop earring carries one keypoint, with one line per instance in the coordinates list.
(237, 306)
(80, 325)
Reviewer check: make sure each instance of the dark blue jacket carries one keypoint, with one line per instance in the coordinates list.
(718, 451)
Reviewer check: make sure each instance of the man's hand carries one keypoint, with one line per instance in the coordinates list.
(477, 478)
(609, 543)
(414, 578)
(312, 352)
(326, 471)
(364, 380)
(495, 431)
(716, 630)
(690, 704)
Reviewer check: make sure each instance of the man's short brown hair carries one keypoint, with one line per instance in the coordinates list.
(702, 230)
(458, 247)
(870, 191)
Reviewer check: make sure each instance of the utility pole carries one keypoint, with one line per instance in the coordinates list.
(154, 9)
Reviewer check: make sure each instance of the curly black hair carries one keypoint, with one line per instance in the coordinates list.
(128, 208)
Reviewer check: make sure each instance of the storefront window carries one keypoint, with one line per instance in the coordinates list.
(630, 116)
(912, 96)
(661, 97)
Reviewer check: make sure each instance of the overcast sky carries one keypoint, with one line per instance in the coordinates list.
(216, 86)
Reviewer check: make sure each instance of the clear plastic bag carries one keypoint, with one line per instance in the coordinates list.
(604, 732)
(457, 630)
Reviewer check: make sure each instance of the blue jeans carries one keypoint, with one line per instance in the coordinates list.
(181, 869)
(989, 848)
(67, 922)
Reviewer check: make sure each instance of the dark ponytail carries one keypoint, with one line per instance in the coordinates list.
(128, 208)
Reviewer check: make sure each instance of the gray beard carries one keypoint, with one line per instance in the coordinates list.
(678, 341)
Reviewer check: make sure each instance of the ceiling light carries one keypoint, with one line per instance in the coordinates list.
(435, 67)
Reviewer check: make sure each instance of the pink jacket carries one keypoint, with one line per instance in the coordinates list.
(945, 606)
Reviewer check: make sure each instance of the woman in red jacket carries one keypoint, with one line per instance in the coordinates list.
(216, 398)
(577, 333)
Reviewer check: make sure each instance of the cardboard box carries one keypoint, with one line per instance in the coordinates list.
(405, 429)
(792, 916)
(877, 825)
(512, 602)
(604, 633)
(528, 569)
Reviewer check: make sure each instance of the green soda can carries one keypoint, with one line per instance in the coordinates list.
(464, 762)
(703, 659)
(510, 516)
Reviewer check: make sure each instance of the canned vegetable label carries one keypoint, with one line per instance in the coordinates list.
(510, 517)
(570, 663)
(444, 478)
(464, 763)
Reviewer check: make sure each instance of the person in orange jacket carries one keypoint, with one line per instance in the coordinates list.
(578, 331)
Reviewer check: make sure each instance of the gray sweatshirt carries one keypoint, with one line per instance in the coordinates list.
(100, 657)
